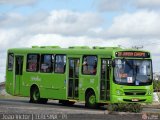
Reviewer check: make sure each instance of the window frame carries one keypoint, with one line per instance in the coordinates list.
(64, 67)
(83, 65)
(38, 62)
(52, 63)
(8, 62)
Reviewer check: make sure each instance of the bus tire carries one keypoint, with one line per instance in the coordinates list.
(35, 95)
(90, 100)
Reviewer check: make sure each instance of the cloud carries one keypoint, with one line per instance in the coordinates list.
(141, 24)
(67, 23)
(17, 29)
(118, 5)
(18, 2)
(9, 38)
(63, 22)
(150, 4)
(111, 5)
(66, 41)
(11, 20)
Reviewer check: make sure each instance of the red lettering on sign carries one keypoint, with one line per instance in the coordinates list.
(139, 54)
(131, 54)
(127, 54)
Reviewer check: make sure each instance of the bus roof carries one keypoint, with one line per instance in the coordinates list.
(73, 50)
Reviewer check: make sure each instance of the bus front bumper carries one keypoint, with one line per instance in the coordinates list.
(131, 99)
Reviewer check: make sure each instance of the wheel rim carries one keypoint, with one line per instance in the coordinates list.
(36, 95)
(92, 99)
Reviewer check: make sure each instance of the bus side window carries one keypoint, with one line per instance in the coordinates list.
(32, 62)
(60, 63)
(46, 63)
(10, 61)
(89, 65)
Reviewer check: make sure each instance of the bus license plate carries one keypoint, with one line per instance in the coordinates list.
(135, 100)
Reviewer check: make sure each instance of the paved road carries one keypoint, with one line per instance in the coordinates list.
(22, 109)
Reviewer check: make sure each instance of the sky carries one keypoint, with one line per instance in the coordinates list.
(125, 23)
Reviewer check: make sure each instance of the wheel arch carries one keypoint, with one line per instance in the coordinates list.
(88, 90)
(89, 102)
(33, 86)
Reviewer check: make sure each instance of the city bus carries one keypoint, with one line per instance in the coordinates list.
(94, 76)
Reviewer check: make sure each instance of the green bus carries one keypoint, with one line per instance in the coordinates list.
(96, 76)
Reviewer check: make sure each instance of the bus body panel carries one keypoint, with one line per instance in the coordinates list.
(9, 83)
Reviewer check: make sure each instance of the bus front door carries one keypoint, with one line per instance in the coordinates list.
(105, 79)
(73, 81)
(18, 74)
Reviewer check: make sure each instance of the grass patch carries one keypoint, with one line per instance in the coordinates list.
(125, 107)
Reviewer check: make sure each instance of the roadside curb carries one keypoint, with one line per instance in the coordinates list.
(123, 113)
(130, 113)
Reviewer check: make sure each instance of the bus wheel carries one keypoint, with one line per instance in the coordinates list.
(91, 100)
(35, 95)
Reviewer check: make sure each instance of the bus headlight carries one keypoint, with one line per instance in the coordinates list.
(119, 92)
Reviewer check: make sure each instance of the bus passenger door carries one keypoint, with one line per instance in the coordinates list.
(73, 81)
(18, 74)
(105, 79)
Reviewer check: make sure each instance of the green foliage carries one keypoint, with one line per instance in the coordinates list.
(125, 107)
(156, 85)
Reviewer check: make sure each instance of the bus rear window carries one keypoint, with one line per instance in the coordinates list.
(32, 62)
(10, 61)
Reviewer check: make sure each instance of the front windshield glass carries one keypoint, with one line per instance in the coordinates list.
(133, 72)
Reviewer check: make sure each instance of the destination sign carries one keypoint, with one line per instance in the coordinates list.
(133, 54)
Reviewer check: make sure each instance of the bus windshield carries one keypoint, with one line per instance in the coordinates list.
(133, 72)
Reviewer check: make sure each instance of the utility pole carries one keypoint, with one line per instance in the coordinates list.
(137, 47)
(120, 46)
